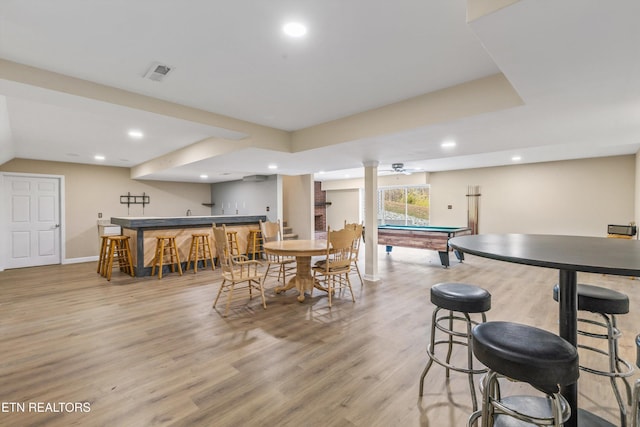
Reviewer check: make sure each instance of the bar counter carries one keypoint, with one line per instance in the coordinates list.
(143, 231)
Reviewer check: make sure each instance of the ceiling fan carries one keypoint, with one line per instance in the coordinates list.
(399, 168)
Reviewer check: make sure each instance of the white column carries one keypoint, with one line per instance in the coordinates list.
(371, 221)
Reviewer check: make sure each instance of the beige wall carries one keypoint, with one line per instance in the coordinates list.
(297, 200)
(569, 197)
(92, 189)
(344, 207)
(578, 197)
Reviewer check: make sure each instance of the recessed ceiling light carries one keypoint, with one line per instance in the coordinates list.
(273, 166)
(448, 144)
(203, 176)
(516, 158)
(294, 29)
(137, 134)
(99, 157)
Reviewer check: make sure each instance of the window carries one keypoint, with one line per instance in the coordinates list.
(403, 205)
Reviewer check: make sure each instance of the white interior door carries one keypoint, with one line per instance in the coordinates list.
(33, 220)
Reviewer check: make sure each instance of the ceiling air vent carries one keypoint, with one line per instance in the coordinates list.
(157, 72)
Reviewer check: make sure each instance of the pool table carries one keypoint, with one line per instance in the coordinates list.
(422, 237)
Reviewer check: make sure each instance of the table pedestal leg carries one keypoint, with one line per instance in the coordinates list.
(303, 280)
(568, 316)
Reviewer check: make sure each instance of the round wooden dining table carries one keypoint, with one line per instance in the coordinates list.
(569, 255)
(302, 250)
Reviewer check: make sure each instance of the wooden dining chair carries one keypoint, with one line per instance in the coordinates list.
(238, 272)
(277, 265)
(333, 271)
(357, 228)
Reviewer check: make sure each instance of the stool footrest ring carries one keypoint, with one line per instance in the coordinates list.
(433, 357)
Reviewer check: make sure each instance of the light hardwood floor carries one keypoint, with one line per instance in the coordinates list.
(144, 351)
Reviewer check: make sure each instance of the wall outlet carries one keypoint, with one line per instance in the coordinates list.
(99, 214)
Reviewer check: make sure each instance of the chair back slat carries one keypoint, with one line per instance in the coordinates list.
(271, 231)
(358, 229)
(222, 249)
(339, 249)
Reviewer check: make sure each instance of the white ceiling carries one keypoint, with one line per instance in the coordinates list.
(574, 63)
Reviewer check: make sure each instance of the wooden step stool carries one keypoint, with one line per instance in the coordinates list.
(120, 251)
(164, 244)
(232, 237)
(104, 255)
(200, 250)
(254, 244)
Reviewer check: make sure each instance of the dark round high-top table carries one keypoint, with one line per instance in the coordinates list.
(568, 254)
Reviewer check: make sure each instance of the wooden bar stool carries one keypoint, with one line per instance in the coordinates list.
(166, 246)
(120, 251)
(254, 244)
(200, 250)
(232, 237)
(104, 255)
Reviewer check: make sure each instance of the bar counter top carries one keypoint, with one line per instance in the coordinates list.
(135, 222)
(143, 232)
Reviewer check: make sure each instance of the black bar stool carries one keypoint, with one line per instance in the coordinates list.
(606, 304)
(529, 355)
(459, 299)
(635, 403)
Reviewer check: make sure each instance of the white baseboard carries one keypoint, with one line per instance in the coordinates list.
(371, 278)
(79, 260)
